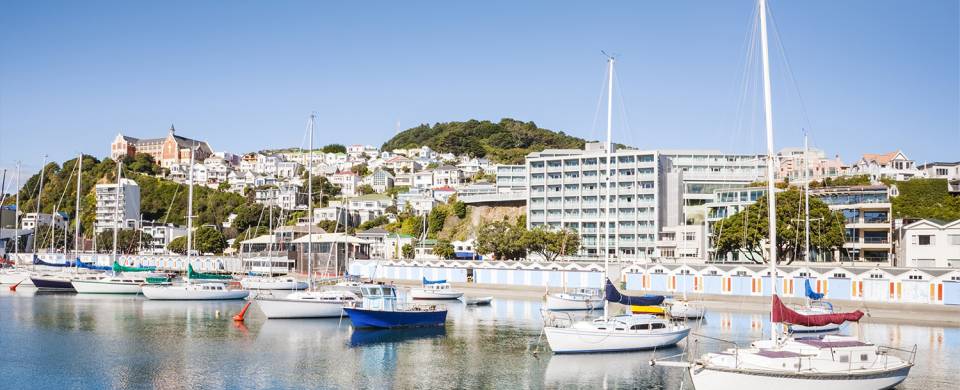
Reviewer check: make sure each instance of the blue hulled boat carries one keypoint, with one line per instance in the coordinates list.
(381, 310)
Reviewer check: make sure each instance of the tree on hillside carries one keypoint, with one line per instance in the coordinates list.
(209, 240)
(925, 199)
(366, 189)
(502, 239)
(360, 169)
(551, 243)
(444, 249)
(129, 241)
(178, 245)
(141, 163)
(408, 251)
(435, 221)
(334, 148)
(746, 232)
(459, 209)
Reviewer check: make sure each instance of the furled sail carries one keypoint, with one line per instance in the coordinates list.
(37, 261)
(428, 281)
(782, 313)
(810, 293)
(613, 295)
(81, 264)
(122, 268)
(191, 274)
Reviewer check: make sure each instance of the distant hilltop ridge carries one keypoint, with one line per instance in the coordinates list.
(506, 142)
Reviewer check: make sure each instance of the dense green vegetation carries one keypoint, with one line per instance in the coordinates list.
(507, 141)
(925, 199)
(746, 232)
(842, 181)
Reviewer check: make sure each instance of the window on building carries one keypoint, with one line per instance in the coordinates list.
(915, 277)
(924, 239)
(954, 239)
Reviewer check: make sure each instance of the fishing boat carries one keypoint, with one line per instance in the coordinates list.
(307, 304)
(580, 299)
(272, 283)
(477, 301)
(629, 332)
(380, 309)
(784, 361)
(193, 292)
(121, 284)
(435, 289)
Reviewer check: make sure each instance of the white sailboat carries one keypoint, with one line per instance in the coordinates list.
(795, 363)
(435, 290)
(628, 332)
(16, 275)
(307, 304)
(578, 299)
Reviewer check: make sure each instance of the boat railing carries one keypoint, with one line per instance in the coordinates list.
(886, 350)
(556, 319)
(695, 346)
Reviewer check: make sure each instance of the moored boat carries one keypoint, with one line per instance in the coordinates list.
(380, 309)
(579, 299)
(685, 309)
(119, 284)
(14, 276)
(272, 283)
(306, 304)
(193, 292)
(53, 282)
(435, 289)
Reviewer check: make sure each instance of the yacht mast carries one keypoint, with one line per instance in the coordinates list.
(76, 233)
(771, 194)
(16, 217)
(36, 217)
(116, 209)
(190, 207)
(606, 226)
(806, 197)
(310, 221)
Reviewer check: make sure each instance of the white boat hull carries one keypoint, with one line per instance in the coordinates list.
(812, 329)
(710, 379)
(557, 302)
(686, 310)
(15, 277)
(289, 308)
(419, 293)
(99, 287)
(176, 294)
(574, 340)
(273, 285)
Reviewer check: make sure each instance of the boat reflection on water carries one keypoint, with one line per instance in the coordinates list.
(610, 370)
(361, 337)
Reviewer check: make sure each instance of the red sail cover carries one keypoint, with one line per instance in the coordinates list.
(782, 313)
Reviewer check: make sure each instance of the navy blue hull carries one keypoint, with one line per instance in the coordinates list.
(395, 319)
(53, 284)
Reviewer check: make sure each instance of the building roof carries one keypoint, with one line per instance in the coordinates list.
(444, 189)
(939, 163)
(376, 230)
(880, 158)
(264, 239)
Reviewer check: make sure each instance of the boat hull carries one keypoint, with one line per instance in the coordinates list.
(43, 283)
(291, 308)
(557, 303)
(572, 340)
(363, 318)
(709, 379)
(98, 287)
(174, 294)
(273, 285)
(418, 293)
(813, 329)
(15, 277)
(686, 310)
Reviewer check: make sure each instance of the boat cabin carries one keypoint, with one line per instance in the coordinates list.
(379, 297)
(587, 291)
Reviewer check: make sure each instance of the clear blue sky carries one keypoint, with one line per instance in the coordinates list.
(875, 76)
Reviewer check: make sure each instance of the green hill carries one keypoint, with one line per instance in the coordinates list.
(507, 141)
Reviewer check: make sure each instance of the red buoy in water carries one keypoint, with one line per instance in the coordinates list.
(239, 316)
(14, 287)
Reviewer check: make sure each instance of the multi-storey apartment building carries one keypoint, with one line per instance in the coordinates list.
(701, 172)
(725, 203)
(115, 207)
(568, 188)
(161, 236)
(511, 178)
(867, 221)
(931, 244)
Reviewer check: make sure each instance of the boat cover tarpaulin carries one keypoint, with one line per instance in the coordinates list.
(613, 295)
(37, 261)
(810, 293)
(92, 266)
(122, 268)
(782, 313)
(428, 281)
(191, 274)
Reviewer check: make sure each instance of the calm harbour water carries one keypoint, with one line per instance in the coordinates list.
(82, 341)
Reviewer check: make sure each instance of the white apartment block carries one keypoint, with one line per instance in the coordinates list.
(447, 175)
(161, 236)
(941, 170)
(29, 221)
(568, 189)
(348, 182)
(370, 206)
(117, 208)
(867, 213)
(928, 244)
(287, 196)
(701, 172)
(421, 202)
(511, 178)
(684, 241)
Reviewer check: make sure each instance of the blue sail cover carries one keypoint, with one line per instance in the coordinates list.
(93, 266)
(810, 293)
(613, 295)
(37, 261)
(427, 281)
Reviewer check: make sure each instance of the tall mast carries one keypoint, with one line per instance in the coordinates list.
(310, 126)
(76, 233)
(116, 210)
(771, 194)
(36, 217)
(806, 197)
(606, 223)
(190, 207)
(16, 217)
